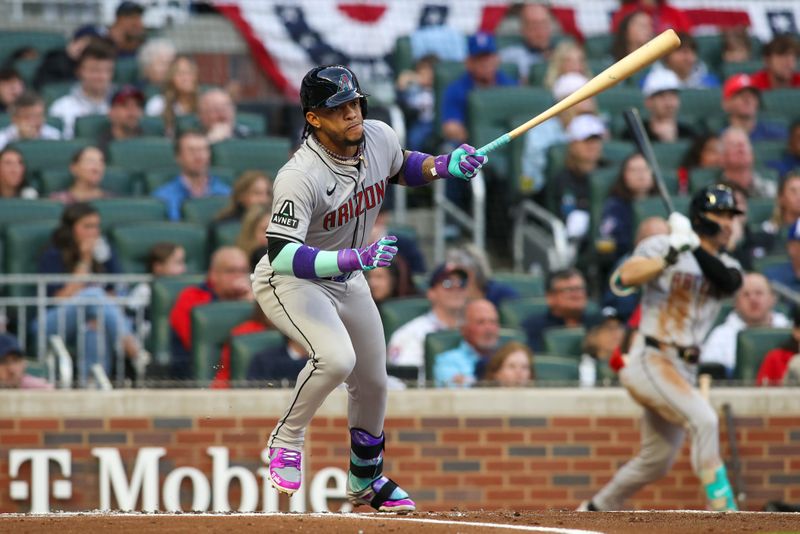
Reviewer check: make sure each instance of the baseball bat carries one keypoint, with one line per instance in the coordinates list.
(736, 463)
(640, 58)
(634, 121)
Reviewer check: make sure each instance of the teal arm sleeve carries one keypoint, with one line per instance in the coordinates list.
(302, 261)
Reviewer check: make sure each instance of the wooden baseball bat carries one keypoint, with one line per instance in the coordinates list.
(634, 121)
(640, 58)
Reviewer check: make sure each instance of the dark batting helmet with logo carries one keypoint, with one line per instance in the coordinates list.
(717, 198)
(330, 86)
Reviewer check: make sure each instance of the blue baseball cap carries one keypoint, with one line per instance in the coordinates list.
(9, 345)
(481, 43)
(444, 271)
(794, 231)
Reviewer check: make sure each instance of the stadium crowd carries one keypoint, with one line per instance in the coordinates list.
(117, 114)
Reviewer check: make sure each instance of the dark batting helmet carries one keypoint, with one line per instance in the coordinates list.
(330, 86)
(717, 198)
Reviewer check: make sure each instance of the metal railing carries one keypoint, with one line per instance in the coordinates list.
(78, 320)
(446, 211)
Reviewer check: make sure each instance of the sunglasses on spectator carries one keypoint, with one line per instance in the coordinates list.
(450, 283)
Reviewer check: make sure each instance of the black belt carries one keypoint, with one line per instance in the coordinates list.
(687, 354)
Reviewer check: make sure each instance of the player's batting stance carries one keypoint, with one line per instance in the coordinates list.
(683, 277)
(311, 286)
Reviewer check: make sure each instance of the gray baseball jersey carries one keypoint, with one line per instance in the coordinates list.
(678, 308)
(330, 205)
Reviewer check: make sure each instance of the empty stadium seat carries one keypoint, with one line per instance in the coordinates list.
(670, 155)
(397, 312)
(527, 285)
(117, 211)
(768, 151)
(514, 311)
(16, 210)
(598, 46)
(244, 347)
(211, 326)
(133, 241)
(402, 58)
(202, 210)
(555, 369)
(700, 103)
(702, 177)
(760, 210)
(752, 345)
(255, 122)
(225, 234)
(783, 102)
(617, 99)
(616, 150)
(91, 126)
(728, 69)
(165, 291)
(564, 341)
(25, 242)
(267, 153)
(142, 153)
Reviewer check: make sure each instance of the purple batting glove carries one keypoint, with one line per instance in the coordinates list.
(462, 163)
(378, 254)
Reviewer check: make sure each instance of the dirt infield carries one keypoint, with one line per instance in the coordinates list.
(651, 522)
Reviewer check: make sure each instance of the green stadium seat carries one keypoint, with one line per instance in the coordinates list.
(760, 210)
(255, 122)
(397, 312)
(165, 291)
(527, 285)
(202, 210)
(701, 103)
(654, 207)
(267, 153)
(225, 234)
(211, 327)
(752, 345)
(768, 151)
(91, 126)
(783, 102)
(598, 46)
(514, 311)
(617, 99)
(53, 91)
(702, 177)
(244, 347)
(564, 341)
(770, 260)
(709, 49)
(748, 67)
(443, 340)
(44, 154)
(133, 241)
(18, 210)
(402, 58)
(25, 242)
(537, 73)
(617, 151)
(42, 41)
(119, 211)
(555, 369)
(27, 68)
(670, 155)
(126, 70)
(142, 153)
(116, 180)
(152, 126)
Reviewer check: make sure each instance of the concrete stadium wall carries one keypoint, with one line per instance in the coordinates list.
(471, 449)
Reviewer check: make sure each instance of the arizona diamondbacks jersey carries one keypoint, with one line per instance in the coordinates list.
(332, 206)
(678, 306)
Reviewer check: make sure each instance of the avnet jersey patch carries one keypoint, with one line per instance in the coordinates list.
(285, 215)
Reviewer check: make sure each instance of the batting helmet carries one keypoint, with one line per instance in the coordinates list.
(717, 198)
(330, 86)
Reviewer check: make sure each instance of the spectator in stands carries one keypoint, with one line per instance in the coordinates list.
(407, 246)
(12, 175)
(662, 14)
(395, 281)
(571, 185)
(254, 225)
(482, 71)
(538, 40)
(741, 101)
(154, 58)
(705, 152)
(692, 72)
(791, 156)
(77, 247)
(568, 57)
(511, 366)
(448, 297)
(788, 273)
(87, 168)
(746, 243)
(634, 182)
(552, 131)
(193, 156)
(465, 364)
(737, 46)
(228, 279)
(126, 111)
(11, 87)
(257, 322)
(61, 65)
(754, 306)
(13, 366)
(775, 368)
(480, 284)
(738, 165)
(566, 306)
(661, 100)
(179, 96)
(127, 32)
(90, 96)
(417, 98)
(635, 29)
(787, 209)
(251, 188)
(217, 116)
(27, 121)
(599, 344)
(780, 64)
(281, 364)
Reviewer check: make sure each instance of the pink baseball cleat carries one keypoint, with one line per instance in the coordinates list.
(284, 469)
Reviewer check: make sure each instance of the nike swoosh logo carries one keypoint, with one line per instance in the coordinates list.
(330, 191)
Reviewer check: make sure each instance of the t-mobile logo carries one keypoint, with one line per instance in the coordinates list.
(38, 489)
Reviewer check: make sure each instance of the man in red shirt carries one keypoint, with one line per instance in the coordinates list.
(777, 362)
(780, 64)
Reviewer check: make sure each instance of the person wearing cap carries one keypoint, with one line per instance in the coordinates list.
(482, 72)
(788, 273)
(552, 131)
(741, 100)
(60, 65)
(27, 121)
(780, 64)
(13, 366)
(738, 165)
(127, 32)
(91, 95)
(660, 90)
(538, 40)
(570, 185)
(127, 108)
(599, 344)
(480, 337)
(692, 72)
(447, 293)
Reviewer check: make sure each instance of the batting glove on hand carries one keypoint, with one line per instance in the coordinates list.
(462, 163)
(679, 222)
(378, 254)
(679, 242)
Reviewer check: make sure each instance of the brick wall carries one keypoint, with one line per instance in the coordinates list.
(445, 462)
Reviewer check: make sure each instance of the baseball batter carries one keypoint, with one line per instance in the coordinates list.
(683, 277)
(310, 283)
